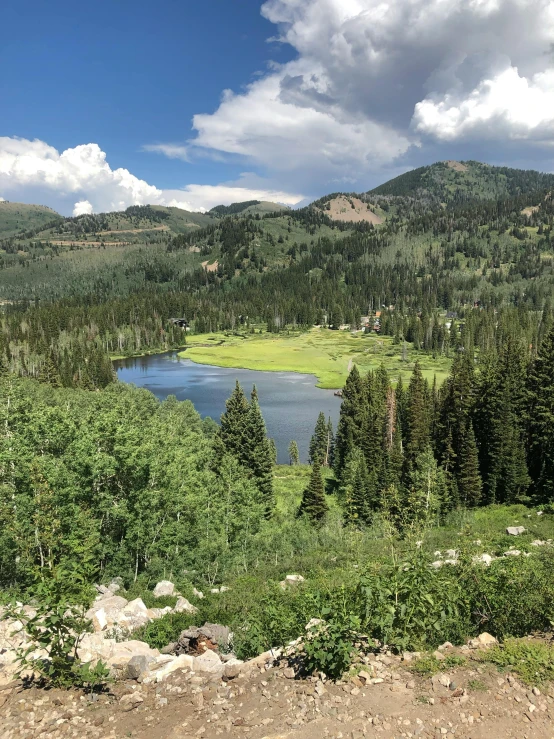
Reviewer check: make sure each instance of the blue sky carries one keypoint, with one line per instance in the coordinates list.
(107, 104)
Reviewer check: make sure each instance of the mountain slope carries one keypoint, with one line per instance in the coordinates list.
(20, 217)
(452, 182)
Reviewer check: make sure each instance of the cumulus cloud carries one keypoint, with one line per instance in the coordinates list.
(374, 79)
(82, 207)
(507, 105)
(80, 180)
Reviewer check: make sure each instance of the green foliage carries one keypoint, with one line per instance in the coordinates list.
(57, 626)
(162, 631)
(532, 661)
(313, 505)
(429, 665)
(329, 646)
(294, 454)
(407, 605)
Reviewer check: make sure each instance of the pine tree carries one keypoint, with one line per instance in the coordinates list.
(313, 505)
(320, 443)
(351, 419)
(233, 431)
(541, 421)
(418, 434)
(360, 503)
(294, 455)
(468, 477)
(258, 452)
(330, 443)
(273, 451)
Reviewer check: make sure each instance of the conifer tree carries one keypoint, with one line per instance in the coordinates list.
(351, 419)
(313, 504)
(418, 436)
(319, 443)
(258, 452)
(294, 455)
(541, 421)
(233, 431)
(468, 478)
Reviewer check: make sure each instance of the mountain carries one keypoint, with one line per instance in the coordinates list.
(248, 207)
(17, 218)
(452, 182)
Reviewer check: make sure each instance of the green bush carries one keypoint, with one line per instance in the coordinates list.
(329, 646)
(163, 631)
(56, 627)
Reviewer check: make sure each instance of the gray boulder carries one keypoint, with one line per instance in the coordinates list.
(164, 587)
(515, 530)
(138, 666)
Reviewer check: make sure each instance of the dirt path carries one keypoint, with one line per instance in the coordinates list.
(478, 703)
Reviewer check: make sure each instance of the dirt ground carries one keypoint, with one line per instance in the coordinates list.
(342, 210)
(269, 703)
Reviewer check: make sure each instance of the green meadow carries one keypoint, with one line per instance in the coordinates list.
(327, 354)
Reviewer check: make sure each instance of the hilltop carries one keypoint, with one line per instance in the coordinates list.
(16, 218)
(452, 181)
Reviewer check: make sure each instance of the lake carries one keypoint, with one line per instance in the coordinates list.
(290, 402)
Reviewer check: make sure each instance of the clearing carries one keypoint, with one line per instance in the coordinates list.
(343, 208)
(321, 352)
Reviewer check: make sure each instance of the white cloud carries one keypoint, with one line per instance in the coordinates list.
(82, 207)
(80, 180)
(172, 151)
(225, 194)
(372, 77)
(507, 105)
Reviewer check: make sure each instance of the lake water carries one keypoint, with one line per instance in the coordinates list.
(290, 402)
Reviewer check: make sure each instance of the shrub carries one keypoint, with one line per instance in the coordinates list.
(57, 628)
(533, 661)
(329, 646)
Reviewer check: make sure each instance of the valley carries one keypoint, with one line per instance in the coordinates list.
(329, 429)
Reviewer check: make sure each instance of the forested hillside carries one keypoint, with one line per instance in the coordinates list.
(99, 479)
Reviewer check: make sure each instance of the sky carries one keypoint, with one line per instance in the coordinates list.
(109, 104)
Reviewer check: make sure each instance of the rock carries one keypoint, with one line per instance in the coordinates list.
(538, 543)
(182, 662)
(232, 669)
(289, 673)
(138, 666)
(169, 648)
(135, 615)
(512, 553)
(208, 662)
(154, 613)
(123, 652)
(197, 593)
(452, 553)
(485, 559)
(183, 606)
(483, 641)
(112, 607)
(164, 587)
(438, 655)
(102, 589)
(115, 585)
(515, 530)
(131, 700)
(291, 581)
(99, 620)
(436, 564)
(444, 680)
(199, 639)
